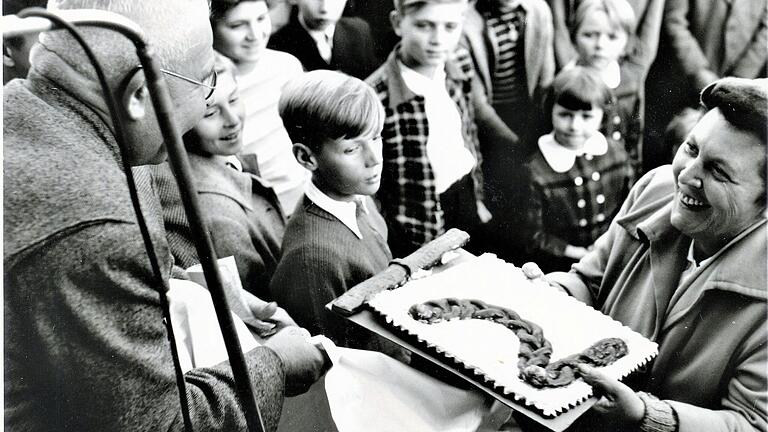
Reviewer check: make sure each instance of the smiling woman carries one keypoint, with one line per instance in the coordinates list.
(684, 263)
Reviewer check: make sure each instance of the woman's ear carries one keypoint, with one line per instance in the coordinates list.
(305, 156)
(394, 19)
(135, 98)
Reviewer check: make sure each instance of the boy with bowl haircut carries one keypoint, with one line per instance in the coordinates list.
(321, 38)
(432, 178)
(336, 237)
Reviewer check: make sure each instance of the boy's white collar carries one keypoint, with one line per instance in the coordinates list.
(561, 159)
(344, 211)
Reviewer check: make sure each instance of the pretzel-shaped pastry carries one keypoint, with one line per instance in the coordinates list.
(535, 350)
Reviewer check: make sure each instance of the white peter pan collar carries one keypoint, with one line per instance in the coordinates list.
(561, 159)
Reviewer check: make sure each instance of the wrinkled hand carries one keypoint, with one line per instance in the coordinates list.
(303, 363)
(618, 402)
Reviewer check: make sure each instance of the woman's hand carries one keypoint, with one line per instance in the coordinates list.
(575, 252)
(532, 272)
(618, 401)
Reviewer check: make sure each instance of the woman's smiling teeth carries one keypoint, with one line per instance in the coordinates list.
(691, 201)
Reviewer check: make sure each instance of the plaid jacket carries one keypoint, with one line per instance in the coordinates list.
(409, 200)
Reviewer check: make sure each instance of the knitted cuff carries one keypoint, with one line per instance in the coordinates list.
(659, 415)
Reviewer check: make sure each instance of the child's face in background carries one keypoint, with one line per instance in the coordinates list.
(598, 41)
(320, 14)
(573, 127)
(220, 130)
(244, 32)
(349, 167)
(430, 35)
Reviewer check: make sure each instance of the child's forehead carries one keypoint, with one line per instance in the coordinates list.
(409, 7)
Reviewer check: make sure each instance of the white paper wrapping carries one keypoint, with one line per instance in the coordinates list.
(490, 350)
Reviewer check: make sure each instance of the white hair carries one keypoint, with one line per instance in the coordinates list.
(166, 25)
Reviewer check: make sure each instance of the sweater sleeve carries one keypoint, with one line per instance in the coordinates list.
(85, 313)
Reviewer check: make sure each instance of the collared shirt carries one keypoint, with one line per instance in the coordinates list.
(561, 159)
(323, 39)
(449, 157)
(344, 211)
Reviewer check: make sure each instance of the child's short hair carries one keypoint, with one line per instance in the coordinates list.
(404, 6)
(578, 88)
(680, 126)
(323, 104)
(620, 14)
(219, 8)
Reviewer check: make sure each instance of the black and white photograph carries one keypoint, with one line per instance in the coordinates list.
(385, 215)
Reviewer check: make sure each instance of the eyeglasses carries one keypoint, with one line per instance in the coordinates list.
(212, 78)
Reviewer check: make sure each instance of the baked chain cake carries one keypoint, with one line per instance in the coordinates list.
(535, 350)
(553, 332)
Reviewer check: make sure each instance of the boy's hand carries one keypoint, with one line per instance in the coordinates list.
(267, 318)
(483, 213)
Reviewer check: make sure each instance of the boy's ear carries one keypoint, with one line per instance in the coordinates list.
(135, 99)
(305, 156)
(394, 19)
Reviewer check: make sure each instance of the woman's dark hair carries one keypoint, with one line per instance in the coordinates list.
(219, 8)
(743, 102)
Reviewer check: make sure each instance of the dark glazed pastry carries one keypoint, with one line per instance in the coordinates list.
(535, 350)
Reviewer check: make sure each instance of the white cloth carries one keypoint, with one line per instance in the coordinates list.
(561, 159)
(344, 211)
(198, 335)
(447, 153)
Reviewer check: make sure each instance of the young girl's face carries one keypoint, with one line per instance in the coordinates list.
(243, 33)
(220, 130)
(599, 42)
(573, 127)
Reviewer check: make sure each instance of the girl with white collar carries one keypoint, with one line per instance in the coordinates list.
(579, 177)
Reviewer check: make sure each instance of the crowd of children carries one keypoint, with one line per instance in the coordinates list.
(519, 121)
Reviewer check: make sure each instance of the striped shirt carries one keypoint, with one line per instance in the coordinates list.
(507, 27)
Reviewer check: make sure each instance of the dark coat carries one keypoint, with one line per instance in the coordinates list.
(352, 52)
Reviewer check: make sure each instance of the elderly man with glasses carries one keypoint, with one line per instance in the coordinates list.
(85, 344)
